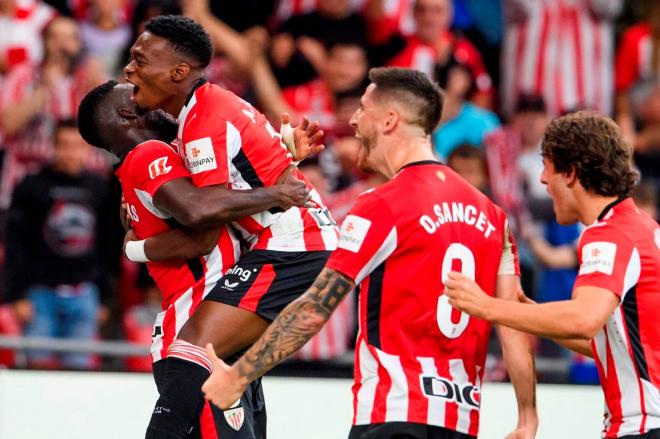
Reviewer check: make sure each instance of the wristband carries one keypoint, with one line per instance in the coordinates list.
(286, 132)
(135, 251)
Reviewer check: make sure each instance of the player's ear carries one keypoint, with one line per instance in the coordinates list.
(391, 121)
(180, 72)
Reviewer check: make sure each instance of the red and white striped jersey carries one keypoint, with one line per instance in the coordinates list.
(183, 283)
(621, 253)
(225, 140)
(561, 50)
(417, 359)
(20, 39)
(633, 58)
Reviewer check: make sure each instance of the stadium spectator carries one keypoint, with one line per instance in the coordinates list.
(645, 195)
(105, 34)
(462, 121)
(645, 105)
(406, 333)
(434, 49)
(22, 23)
(57, 239)
(561, 50)
(35, 96)
(298, 45)
(468, 162)
(612, 314)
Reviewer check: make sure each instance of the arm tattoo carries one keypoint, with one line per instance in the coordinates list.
(297, 323)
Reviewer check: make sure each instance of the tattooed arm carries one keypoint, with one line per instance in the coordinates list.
(297, 323)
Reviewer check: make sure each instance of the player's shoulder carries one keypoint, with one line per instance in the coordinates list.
(151, 148)
(606, 231)
(209, 94)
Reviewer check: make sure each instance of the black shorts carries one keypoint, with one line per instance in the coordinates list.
(651, 434)
(245, 421)
(403, 430)
(265, 282)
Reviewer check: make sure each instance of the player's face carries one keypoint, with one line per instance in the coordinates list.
(150, 69)
(558, 186)
(432, 17)
(364, 122)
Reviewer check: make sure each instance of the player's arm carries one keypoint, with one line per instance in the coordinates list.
(294, 327)
(175, 244)
(518, 356)
(216, 205)
(579, 318)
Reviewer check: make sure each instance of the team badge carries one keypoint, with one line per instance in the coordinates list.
(235, 417)
(159, 167)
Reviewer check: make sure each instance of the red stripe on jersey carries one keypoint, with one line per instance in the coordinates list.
(169, 330)
(418, 405)
(382, 389)
(312, 234)
(226, 245)
(613, 393)
(261, 284)
(207, 423)
(451, 410)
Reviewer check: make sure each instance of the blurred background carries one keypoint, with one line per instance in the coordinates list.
(69, 300)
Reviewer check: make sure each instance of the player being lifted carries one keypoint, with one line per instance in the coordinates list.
(223, 141)
(613, 314)
(159, 194)
(418, 368)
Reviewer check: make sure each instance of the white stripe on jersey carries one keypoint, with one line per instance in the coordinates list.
(157, 340)
(288, 231)
(183, 117)
(436, 410)
(148, 203)
(633, 271)
(367, 393)
(328, 234)
(182, 309)
(396, 403)
(460, 377)
(385, 250)
(234, 144)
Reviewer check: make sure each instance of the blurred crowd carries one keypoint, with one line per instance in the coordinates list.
(507, 67)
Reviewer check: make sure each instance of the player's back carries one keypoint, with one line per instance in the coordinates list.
(413, 347)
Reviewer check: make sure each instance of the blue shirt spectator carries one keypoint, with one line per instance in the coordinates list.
(470, 125)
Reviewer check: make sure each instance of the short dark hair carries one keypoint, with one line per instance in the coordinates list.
(531, 103)
(89, 113)
(413, 89)
(186, 36)
(591, 145)
(466, 151)
(63, 124)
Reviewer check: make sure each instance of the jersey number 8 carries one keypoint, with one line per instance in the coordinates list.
(455, 251)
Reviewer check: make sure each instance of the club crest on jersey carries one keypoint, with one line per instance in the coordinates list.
(353, 231)
(235, 417)
(159, 167)
(598, 256)
(200, 156)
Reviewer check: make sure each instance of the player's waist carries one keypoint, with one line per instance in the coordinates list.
(174, 279)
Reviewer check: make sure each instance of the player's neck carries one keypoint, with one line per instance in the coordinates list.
(175, 104)
(591, 206)
(405, 151)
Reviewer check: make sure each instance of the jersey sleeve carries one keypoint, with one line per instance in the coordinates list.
(606, 257)
(154, 164)
(509, 261)
(205, 147)
(368, 236)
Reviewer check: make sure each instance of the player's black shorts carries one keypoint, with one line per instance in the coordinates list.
(265, 281)
(245, 421)
(403, 430)
(651, 434)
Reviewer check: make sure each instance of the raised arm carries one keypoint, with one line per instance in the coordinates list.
(297, 323)
(519, 359)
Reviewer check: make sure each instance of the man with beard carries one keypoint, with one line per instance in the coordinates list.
(158, 193)
(224, 142)
(418, 370)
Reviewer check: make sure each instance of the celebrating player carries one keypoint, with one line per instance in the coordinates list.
(612, 315)
(224, 142)
(418, 369)
(158, 189)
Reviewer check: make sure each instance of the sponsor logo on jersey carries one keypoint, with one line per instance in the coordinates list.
(353, 231)
(439, 387)
(200, 156)
(235, 276)
(598, 256)
(159, 167)
(235, 417)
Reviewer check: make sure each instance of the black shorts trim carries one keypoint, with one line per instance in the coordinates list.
(404, 430)
(265, 281)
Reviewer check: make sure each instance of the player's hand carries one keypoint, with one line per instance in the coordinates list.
(466, 295)
(292, 192)
(224, 387)
(303, 140)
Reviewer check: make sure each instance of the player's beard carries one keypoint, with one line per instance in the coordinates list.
(363, 155)
(163, 124)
